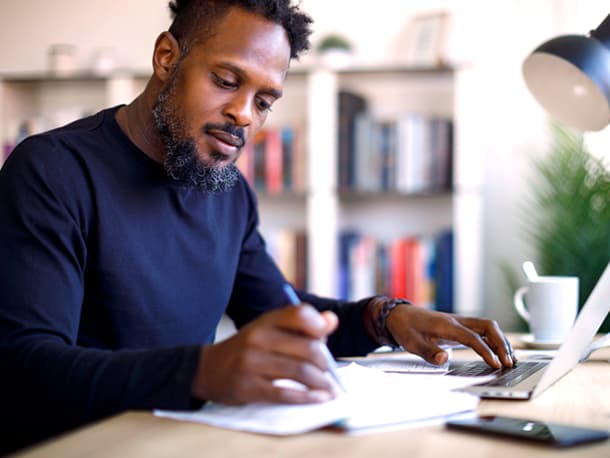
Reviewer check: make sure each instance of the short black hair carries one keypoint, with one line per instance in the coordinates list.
(194, 20)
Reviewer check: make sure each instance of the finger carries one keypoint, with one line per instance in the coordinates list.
(332, 321)
(262, 389)
(493, 336)
(501, 351)
(303, 319)
(273, 366)
(510, 350)
(274, 392)
(473, 340)
(284, 343)
(288, 396)
(426, 349)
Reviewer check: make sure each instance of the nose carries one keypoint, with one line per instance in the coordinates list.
(239, 110)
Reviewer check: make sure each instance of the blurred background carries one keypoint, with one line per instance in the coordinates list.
(348, 212)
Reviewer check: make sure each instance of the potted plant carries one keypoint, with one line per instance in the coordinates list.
(568, 216)
(334, 50)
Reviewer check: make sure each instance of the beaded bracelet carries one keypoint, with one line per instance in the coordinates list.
(384, 336)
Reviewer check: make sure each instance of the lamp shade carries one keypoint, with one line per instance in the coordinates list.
(570, 77)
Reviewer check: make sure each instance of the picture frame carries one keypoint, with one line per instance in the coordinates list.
(427, 39)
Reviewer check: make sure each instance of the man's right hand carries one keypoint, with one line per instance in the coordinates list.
(282, 344)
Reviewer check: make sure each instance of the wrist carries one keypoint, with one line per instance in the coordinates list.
(376, 323)
(198, 389)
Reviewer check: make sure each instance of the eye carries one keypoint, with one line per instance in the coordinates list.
(263, 105)
(223, 83)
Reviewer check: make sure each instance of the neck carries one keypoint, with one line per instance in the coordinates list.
(137, 122)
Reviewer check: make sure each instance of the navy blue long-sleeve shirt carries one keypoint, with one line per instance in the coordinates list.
(112, 275)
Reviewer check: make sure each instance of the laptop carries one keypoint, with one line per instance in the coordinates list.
(530, 378)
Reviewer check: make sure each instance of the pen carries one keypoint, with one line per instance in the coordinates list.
(330, 361)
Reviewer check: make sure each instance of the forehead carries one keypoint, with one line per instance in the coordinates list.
(248, 41)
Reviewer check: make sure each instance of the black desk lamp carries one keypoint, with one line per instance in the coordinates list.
(570, 77)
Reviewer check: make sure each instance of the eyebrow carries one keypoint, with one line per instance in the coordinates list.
(239, 71)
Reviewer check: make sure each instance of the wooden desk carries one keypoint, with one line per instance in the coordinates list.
(581, 398)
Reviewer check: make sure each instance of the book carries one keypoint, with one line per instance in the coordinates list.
(273, 167)
(444, 272)
(441, 154)
(382, 269)
(347, 240)
(349, 105)
(288, 248)
(414, 265)
(366, 157)
(398, 268)
(386, 144)
(417, 268)
(287, 139)
(362, 268)
(299, 159)
(258, 157)
(300, 281)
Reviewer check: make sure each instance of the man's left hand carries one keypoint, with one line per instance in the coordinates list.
(421, 331)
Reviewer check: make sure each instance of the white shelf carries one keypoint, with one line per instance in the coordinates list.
(50, 101)
(310, 100)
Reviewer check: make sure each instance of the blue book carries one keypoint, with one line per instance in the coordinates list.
(444, 301)
(347, 240)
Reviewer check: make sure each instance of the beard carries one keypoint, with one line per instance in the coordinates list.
(182, 161)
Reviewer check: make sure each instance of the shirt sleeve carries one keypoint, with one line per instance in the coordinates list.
(49, 383)
(259, 288)
(350, 338)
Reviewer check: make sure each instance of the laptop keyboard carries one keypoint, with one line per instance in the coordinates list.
(504, 377)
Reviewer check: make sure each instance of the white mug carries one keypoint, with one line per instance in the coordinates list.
(550, 307)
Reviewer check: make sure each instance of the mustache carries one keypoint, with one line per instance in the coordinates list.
(229, 128)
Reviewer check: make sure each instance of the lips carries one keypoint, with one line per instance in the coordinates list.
(229, 139)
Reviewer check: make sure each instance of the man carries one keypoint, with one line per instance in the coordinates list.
(126, 235)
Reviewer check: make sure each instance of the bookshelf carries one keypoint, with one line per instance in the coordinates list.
(327, 209)
(320, 209)
(36, 102)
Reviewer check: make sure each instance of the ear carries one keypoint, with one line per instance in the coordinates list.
(165, 55)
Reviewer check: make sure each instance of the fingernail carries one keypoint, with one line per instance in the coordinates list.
(440, 357)
(320, 396)
(313, 314)
(497, 361)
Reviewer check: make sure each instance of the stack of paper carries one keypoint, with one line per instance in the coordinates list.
(402, 361)
(373, 399)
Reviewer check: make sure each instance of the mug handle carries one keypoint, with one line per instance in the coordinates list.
(519, 305)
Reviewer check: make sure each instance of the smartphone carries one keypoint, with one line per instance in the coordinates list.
(558, 435)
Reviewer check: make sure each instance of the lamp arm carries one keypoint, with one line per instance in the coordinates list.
(602, 32)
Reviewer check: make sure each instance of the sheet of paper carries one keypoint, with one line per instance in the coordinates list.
(381, 399)
(402, 362)
(373, 399)
(266, 418)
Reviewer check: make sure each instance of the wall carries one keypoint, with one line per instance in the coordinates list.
(491, 38)
(29, 27)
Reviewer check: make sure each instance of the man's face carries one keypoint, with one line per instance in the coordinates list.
(218, 96)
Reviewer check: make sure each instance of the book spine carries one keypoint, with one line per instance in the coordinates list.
(259, 160)
(273, 162)
(350, 105)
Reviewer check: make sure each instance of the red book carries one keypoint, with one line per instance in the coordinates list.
(299, 165)
(273, 162)
(415, 273)
(398, 268)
